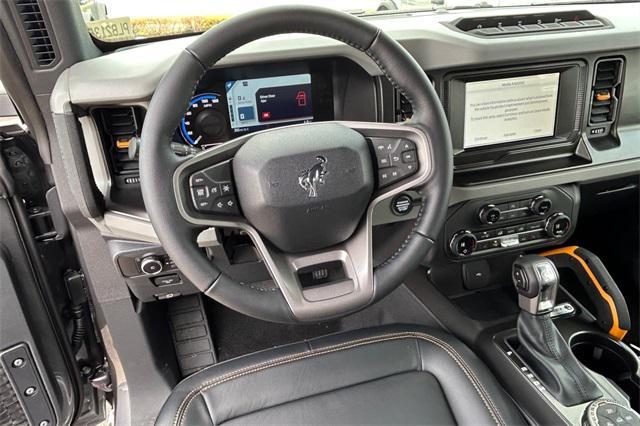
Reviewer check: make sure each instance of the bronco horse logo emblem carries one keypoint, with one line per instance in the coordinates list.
(310, 178)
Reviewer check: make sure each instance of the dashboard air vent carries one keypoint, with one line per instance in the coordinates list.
(509, 25)
(120, 127)
(37, 35)
(606, 91)
(404, 110)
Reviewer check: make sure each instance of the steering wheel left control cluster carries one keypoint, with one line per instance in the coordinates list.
(212, 190)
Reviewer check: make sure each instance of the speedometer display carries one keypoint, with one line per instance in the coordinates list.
(205, 121)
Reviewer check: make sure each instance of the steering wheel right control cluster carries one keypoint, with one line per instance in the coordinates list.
(396, 159)
(486, 226)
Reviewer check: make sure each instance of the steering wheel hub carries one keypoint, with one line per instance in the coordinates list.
(305, 187)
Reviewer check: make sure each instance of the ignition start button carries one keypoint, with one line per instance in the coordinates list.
(402, 205)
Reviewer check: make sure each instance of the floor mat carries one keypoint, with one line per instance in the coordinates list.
(235, 334)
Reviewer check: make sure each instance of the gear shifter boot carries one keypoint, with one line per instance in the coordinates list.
(549, 356)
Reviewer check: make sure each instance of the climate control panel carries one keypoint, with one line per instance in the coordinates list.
(489, 226)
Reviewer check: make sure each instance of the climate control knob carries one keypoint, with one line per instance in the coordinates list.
(463, 243)
(489, 214)
(151, 265)
(540, 205)
(558, 225)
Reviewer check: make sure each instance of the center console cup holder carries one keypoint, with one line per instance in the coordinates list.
(611, 359)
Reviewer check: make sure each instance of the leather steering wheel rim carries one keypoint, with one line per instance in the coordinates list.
(170, 100)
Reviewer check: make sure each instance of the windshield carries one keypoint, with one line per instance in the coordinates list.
(122, 20)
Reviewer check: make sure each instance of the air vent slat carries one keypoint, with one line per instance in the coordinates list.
(605, 91)
(120, 125)
(35, 28)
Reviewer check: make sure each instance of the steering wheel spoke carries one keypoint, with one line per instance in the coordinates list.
(401, 155)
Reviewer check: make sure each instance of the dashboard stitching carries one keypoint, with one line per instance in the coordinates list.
(486, 399)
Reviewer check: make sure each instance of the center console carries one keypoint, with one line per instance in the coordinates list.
(529, 343)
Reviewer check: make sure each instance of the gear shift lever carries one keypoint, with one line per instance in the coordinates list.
(541, 344)
(536, 280)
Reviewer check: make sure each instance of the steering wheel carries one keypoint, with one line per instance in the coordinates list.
(306, 192)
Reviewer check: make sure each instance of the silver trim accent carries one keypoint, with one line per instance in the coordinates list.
(355, 253)
(127, 226)
(97, 157)
(563, 309)
(151, 259)
(554, 217)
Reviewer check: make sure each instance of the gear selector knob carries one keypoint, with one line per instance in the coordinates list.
(536, 280)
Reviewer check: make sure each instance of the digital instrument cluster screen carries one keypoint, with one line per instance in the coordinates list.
(262, 102)
(510, 109)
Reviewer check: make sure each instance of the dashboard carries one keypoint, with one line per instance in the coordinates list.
(536, 98)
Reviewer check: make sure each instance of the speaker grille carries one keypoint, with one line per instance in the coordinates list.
(11, 412)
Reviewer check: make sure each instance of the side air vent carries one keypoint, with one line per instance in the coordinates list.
(509, 25)
(121, 127)
(606, 91)
(36, 32)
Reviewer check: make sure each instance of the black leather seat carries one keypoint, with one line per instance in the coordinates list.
(387, 375)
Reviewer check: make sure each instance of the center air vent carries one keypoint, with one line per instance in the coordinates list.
(404, 110)
(606, 91)
(36, 33)
(121, 127)
(402, 106)
(508, 25)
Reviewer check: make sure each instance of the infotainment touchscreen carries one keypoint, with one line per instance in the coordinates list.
(262, 102)
(510, 109)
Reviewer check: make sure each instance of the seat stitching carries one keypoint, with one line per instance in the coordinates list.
(491, 407)
(479, 383)
(479, 388)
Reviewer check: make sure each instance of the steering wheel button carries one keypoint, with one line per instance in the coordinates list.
(200, 192)
(408, 145)
(203, 205)
(214, 190)
(409, 157)
(396, 159)
(409, 168)
(226, 188)
(225, 205)
(201, 197)
(383, 161)
(402, 204)
(388, 176)
(384, 146)
(198, 179)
